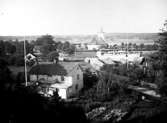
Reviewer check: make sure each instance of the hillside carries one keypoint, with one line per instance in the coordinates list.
(110, 38)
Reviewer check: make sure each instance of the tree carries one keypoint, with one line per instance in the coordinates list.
(59, 45)
(111, 85)
(66, 45)
(112, 82)
(129, 46)
(122, 46)
(53, 56)
(47, 48)
(71, 49)
(163, 58)
(16, 59)
(9, 48)
(136, 74)
(5, 75)
(115, 47)
(153, 71)
(141, 47)
(2, 49)
(68, 48)
(20, 47)
(89, 79)
(29, 47)
(47, 44)
(134, 46)
(45, 39)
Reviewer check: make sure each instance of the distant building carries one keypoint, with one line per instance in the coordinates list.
(108, 55)
(62, 56)
(37, 50)
(77, 45)
(94, 45)
(80, 46)
(65, 77)
(97, 42)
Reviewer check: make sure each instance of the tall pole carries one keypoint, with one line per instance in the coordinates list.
(127, 52)
(75, 51)
(25, 65)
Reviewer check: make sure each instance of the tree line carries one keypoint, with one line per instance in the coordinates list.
(13, 51)
(135, 47)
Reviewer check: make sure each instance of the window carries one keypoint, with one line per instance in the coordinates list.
(70, 90)
(77, 76)
(76, 87)
(62, 78)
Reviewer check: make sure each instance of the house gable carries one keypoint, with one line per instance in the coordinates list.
(77, 79)
(70, 77)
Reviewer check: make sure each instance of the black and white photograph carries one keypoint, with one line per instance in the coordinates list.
(83, 61)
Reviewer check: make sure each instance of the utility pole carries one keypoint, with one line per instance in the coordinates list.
(127, 52)
(37, 67)
(25, 65)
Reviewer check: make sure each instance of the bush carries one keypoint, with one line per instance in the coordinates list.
(16, 60)
(53, 55)
(92, 105)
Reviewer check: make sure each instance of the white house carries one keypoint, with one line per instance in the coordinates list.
(108, 55)
(93, 46)
(62, 56)
(65, 77)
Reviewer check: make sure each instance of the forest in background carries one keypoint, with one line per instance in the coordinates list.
(147, 37)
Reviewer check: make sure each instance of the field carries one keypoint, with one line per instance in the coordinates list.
(84, 54)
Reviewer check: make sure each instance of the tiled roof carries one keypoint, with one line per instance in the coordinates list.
(62, 68)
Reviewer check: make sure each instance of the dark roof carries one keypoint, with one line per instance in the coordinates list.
(63, 68)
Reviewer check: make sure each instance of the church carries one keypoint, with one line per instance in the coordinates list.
(97, 42)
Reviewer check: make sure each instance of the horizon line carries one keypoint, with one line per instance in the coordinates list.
(84, 34)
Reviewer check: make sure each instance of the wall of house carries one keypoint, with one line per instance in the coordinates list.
(93, 47)
(62, 93)
(50, 79)
(65, 90)
(77, 78)
(62, 86)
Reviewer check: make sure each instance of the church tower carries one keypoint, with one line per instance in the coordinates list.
(100, 35)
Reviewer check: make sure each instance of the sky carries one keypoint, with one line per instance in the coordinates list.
(73, 17)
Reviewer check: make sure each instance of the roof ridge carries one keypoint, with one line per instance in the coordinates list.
(77, 64)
